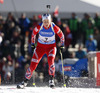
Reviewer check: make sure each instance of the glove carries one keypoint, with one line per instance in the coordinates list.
(62, 47)
(32, 46)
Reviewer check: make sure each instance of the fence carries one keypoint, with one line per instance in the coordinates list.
(94, 66)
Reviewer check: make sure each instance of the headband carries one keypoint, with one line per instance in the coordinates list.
(46, 16)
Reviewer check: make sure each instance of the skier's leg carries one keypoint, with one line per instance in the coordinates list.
(51, 66)
(51, 56)
(38, 53)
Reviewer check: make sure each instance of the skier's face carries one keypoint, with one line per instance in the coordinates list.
(46, 23)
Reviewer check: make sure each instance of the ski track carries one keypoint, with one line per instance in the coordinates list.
(13, 89)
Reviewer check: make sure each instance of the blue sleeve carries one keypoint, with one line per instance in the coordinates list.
(95, 42)
(28, 21)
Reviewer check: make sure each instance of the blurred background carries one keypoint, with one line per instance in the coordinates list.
(78, 19)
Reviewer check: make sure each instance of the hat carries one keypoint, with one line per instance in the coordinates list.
(46, 16)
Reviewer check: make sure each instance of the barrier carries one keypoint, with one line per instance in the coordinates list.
(94, 66)
(75, 69)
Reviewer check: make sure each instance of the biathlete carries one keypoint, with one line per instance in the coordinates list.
(46, 45)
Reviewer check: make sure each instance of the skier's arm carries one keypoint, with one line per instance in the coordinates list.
(34, 33)
(60, 34)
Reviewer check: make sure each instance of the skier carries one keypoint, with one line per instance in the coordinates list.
(46, 45)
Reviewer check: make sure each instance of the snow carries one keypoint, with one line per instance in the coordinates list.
(12, 89)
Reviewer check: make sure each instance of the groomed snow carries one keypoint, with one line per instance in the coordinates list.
(12, 89)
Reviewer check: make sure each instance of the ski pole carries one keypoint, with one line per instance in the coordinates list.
(64, 84)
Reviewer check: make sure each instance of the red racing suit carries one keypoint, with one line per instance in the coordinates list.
(46, 45)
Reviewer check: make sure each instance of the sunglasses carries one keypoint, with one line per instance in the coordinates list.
(45, 14)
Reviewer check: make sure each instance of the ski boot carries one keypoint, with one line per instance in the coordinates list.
(51, 81)
(23, 84)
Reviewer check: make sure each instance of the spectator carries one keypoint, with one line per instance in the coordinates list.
(7, 68)
(39, 18)
(26, 61)
(55, 18)
(59, 23)
(6, 48)
(1, 37)
(11, 18)
(34, 21)
(9, 25)
(2, 22)
(97, 37)
(65, 53)
(89, 30)
(3, 61)
(96, 34)
(72, 55)
(85, 25)
(15, 35)
(98, 45)
(1, 71)
(17, 42)
(9, 30)
(24, 23)
(84, 22)
(1, 19)
(68, 35)
(97, 20)
(19, 72)
(80, 53)
(91, 44)
(74, 26)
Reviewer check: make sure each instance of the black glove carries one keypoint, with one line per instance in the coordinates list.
(33, 46)
(62, 48)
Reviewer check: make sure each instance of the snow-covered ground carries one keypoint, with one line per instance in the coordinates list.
(78, 85)
(12, 89)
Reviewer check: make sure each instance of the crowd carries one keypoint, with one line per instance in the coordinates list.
(15, 41)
